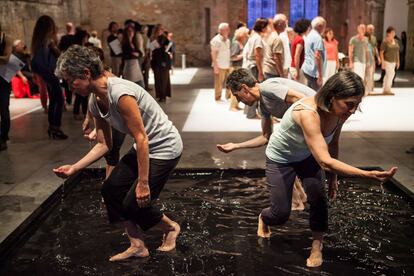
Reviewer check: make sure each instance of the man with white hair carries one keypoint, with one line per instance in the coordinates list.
(358, 52)
(281, 19)
(373, 47)
(315, 54)
(220, 57)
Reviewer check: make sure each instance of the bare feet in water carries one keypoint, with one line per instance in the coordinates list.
(263, 230)
(132, 251)
(315, 258)
(169, 238)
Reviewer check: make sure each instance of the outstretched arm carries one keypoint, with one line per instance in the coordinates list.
(256, 142)
(310, 124)
(104, 143)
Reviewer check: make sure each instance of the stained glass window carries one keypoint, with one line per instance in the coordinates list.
(260, 8)
(303, 9)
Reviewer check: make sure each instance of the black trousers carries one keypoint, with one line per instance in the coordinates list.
(112, 157)
(280, 179)
(56, 101)
(118, 190)
(80, 102)
(162, 82)
(5, 90)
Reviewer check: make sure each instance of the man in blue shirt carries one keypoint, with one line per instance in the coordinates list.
(315, 54)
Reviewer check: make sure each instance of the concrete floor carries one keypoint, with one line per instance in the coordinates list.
(26, 177)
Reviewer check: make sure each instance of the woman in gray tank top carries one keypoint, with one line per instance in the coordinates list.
(141, 174)
(304, 144)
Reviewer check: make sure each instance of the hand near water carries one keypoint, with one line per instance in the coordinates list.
(64, 171)
(382, 175)
(229, 147)
(142, 194)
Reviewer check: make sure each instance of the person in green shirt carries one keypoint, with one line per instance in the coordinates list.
(390, 59)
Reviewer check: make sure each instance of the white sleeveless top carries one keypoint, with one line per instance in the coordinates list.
(287, 143)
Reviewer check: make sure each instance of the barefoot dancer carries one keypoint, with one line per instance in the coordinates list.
(274, 95)
(304, 144)
(141, 174)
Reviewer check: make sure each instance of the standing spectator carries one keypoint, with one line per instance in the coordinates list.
(390, 59)
(81, 102)
(331, 46)
(45, 53)
(146, 63)
(284, 36)
(94, 40)
(373, 51)
(68, 39)
(237, 46)
(301, 27)
(403, 50)
(254, 59)
(130, 55)
(358, 52)
(273, 53)
(161, 64)
(5, 90)
(315, 54)
(116, 59)
(65, 42)
(171, 49)
(220, 57)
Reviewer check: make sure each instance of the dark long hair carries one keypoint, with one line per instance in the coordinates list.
(44, 31)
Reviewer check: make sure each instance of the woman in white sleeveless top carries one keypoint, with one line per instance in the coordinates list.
(304, 144)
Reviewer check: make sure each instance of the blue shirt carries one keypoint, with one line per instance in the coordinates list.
(313, 43)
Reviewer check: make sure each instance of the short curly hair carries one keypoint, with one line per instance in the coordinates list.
(301, 26)
(73, 62)
(238, 77)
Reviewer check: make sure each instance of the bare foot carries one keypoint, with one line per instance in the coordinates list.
(234, 109)
(169, 238)
(315, 258)
(263, 230)
(132, 251)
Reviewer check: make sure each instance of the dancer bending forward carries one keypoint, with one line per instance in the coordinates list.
(142, 173)
(304, 144)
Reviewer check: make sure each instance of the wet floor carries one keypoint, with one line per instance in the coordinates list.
(371, 230)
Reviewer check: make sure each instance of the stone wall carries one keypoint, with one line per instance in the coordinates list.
(19, 17)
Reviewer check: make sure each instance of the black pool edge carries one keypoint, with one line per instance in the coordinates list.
(22, 233)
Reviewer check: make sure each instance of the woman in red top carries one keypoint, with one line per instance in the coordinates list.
(331, 46)
(302, 27)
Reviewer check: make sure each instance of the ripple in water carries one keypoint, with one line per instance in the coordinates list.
(370, 232)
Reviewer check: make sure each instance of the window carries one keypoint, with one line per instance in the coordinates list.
(303, 9)
(260, 8)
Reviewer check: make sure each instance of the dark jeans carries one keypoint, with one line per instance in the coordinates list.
(56, 101)
(118, 190)
(312, 82)
(80, 101)
(281, 177)
(5, 90)
(112, 157)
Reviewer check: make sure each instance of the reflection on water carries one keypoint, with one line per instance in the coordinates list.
(370, 233)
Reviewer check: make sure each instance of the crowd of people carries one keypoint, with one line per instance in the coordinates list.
(307, 53)
(133, 50)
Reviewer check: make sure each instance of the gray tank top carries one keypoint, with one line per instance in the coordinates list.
(164, 140)
(287, 143)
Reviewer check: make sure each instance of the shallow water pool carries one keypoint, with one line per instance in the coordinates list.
(371, 232)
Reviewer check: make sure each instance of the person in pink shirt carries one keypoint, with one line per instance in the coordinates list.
(302, 27)
(331, 46)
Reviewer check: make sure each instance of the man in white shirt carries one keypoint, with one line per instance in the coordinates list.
(220, 56)
(279, 19)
